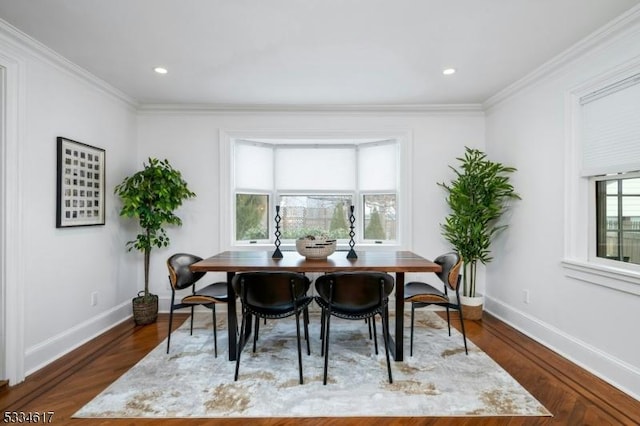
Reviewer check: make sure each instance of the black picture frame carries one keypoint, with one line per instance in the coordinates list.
(80, 184)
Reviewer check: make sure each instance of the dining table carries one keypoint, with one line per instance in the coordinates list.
(392, 262)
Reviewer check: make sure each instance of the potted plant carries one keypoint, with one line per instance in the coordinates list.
(151, 195)
(477, 198)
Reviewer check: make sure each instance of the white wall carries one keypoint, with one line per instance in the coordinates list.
(190, 140)
(60, 268)
(592, 325)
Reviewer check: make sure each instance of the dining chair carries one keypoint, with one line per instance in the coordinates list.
(181, 278)
(422, 294)
(354, 296)
(272, 295)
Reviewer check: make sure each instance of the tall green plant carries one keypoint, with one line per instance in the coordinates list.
(152, 195)
(477, 198)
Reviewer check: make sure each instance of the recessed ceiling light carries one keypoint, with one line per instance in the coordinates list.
(448, 71)
(160, 70)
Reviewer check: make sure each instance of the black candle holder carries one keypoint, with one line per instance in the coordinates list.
(352, 219)
(277, 254)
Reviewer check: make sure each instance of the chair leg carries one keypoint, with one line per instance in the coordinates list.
(369, 326)
(372, 320)
(215, 331)
(464, 335)
(385, 335)
(322, 329)
(326, 346)
(306, 329)
(170, 324)
(299, 346)
(448, 320)
(255, 333)
(239, 346)
(413, 311)
(192, 307)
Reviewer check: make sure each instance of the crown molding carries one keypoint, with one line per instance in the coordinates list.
(26, 44)
(623, 24)
(433, 109)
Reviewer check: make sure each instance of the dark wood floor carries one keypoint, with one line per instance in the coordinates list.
(574, 396)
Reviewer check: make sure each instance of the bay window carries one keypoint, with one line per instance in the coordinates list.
(315, 184)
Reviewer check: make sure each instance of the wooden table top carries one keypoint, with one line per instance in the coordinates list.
(385, 261)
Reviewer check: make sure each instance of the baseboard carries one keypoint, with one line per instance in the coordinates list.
(53, 348)
(603, 365)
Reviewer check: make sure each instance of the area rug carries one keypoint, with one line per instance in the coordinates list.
(438, 380)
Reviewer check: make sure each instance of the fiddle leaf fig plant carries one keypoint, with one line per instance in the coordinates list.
(477, 198)
(152, 195)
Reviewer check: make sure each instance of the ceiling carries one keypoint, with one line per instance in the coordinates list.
(310, 52)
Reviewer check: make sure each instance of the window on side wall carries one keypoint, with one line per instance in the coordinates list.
(610, 135)
(315, 185)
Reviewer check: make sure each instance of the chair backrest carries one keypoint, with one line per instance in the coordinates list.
(270, 289)
(355, 290)
(180, 276)
(450, 263)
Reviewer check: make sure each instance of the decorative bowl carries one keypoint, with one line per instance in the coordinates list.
(315, 248)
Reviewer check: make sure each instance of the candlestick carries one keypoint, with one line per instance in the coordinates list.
(277, 254)
(352, 253)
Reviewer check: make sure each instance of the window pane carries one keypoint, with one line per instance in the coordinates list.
(631, 247)
(252, 217)
(631, 213)
(612, 212)
(618, 220)
(380, 217)
(315, 215)
(631, 186)
(612, 246)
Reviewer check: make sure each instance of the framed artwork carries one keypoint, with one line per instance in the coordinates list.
(80, 185)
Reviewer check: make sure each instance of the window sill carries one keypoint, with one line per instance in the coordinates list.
(606, 276)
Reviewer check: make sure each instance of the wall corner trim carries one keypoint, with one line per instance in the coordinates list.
(23, 42)
(625, 23)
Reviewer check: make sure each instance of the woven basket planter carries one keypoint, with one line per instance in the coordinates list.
(315, 249)
(472, 307)
(145, 309)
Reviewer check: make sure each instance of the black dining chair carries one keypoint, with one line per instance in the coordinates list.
(272, 295)
(180, 278)
(421, 294)
(354, 296)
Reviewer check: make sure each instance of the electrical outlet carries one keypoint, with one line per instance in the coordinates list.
(94, 298)
(525, 296)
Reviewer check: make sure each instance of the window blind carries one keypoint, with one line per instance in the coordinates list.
(253, 166)
(315, 168)
(377, 166)
(610, 130)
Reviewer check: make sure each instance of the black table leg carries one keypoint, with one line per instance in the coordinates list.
(396, 345)
(232, 319)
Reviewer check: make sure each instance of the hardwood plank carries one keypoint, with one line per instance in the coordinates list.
(573, 395)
